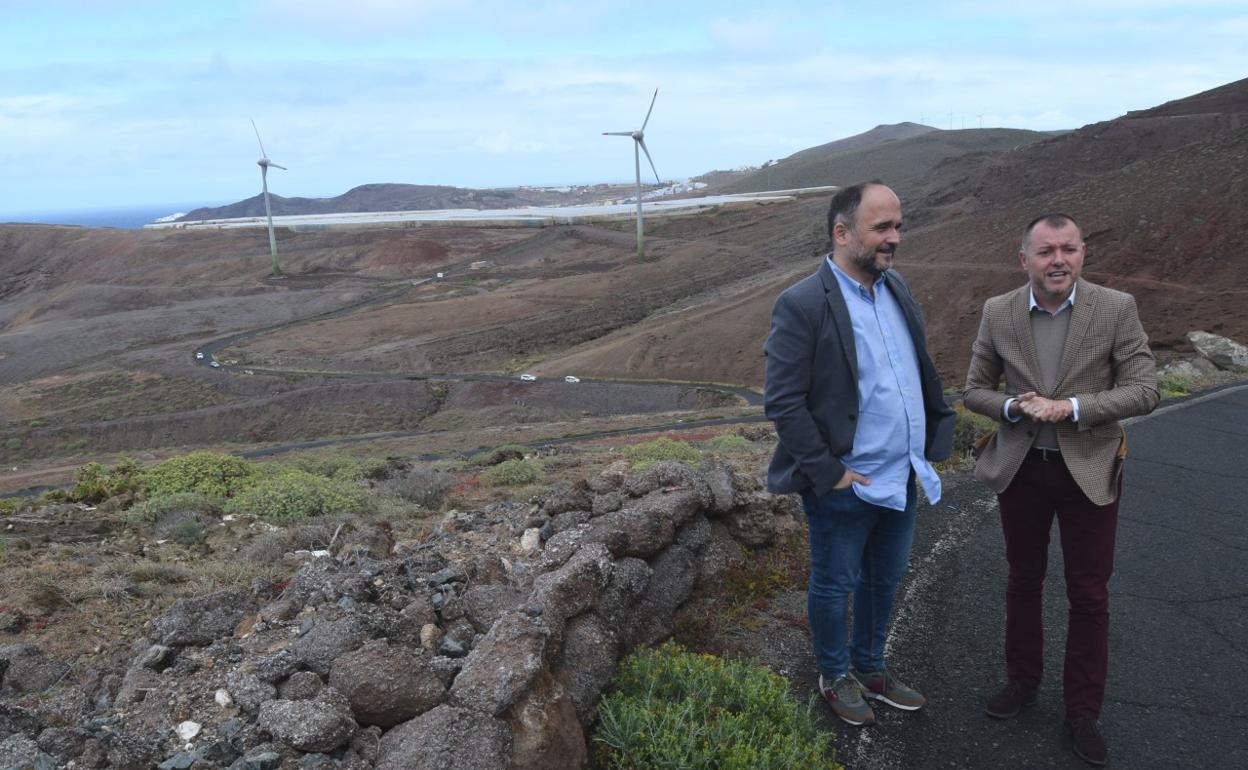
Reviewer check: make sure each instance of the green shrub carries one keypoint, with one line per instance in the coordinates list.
(671, 708)
(513, 473)
(969, 430)
(501, 454)
(340, 465)
(729, 442)
(650, 452)
(94, 482)
(8, 506)
(151, 509)
(1174, 385)
(188, 531)
(291, 495)
(206, 473)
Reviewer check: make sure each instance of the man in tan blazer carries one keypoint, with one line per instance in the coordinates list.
(1075, 360)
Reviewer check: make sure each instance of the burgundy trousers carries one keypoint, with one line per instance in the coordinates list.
(1042, 489)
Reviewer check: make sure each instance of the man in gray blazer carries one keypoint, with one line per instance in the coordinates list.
(1075, 360)
(860, 412)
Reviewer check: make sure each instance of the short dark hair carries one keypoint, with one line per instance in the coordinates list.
(844, 204)
(1055, 220)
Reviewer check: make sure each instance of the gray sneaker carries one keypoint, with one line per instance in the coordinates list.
(845, 697)
(883, 686)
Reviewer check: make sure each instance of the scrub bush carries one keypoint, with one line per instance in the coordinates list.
(206, 473)
(671, 708)
(151, 509)
(501, 454)
(340, 465)
(650, 452)
(727, 443)
(513, 473)
(423, 486)
(293, 495)
(94, 483)
(1174, 385)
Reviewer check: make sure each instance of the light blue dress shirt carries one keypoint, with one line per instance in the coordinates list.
(891, 430)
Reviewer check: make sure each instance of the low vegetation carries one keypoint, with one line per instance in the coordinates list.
(292, 494)
(94, 483)
(670, 708)
(341, 465)
(1174, 385)
(500, 454)
(648, 453)
(207, 473)
(729, 443)
(513, 473)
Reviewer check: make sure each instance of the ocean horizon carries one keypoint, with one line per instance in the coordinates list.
(121, 216)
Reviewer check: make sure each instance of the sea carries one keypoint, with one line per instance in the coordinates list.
(132, 216)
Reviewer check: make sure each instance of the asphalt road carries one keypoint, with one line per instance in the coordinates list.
(1177, 695)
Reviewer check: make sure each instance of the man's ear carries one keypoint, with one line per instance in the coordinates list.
(840, 233)
(1022, 259)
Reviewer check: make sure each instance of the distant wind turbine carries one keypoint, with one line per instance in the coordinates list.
(639, 146)
(264, 164)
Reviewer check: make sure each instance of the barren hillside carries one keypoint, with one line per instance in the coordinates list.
(97, 327)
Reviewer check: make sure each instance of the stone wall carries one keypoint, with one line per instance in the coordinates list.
(485, 646)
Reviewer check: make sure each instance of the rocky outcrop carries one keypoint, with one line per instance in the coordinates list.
(1222, 352)
(486, 646)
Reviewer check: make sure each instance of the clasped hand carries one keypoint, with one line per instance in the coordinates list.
(1041, 409)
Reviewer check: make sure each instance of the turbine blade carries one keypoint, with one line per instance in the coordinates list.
(263, 154)
(274, 165)
(647, 120)
(642, 142)
(617, 133)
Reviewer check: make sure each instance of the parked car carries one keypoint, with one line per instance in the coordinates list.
(199, 354)
(215, 364)
(570, 378)
(529, 377)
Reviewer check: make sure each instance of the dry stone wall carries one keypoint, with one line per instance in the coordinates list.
(485, 646)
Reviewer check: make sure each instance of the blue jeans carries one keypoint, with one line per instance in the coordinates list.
(861, 549)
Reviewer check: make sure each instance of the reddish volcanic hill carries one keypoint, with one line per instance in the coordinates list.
(1159, 193)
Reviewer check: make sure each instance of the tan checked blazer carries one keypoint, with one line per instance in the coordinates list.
(1106, 364)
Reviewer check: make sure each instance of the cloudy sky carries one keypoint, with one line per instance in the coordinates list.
(114, 103)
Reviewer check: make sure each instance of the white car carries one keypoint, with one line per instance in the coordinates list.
(570, 378)
(199, 354)
(215, 364)
(529, 377)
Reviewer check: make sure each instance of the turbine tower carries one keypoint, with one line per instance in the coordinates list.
(639, 146)
(264, 164)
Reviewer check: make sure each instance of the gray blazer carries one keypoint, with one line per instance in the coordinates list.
(811, 391)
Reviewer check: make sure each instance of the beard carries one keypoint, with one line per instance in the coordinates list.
(868, 261)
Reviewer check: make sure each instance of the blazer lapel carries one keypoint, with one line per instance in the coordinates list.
(840, 316)
(1020, 315)
(1080, 320)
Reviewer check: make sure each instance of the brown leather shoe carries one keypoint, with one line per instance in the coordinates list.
(1087, 740)
(1010, 700)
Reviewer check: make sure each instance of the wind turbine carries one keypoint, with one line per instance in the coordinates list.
(264, 164)
(639, 146)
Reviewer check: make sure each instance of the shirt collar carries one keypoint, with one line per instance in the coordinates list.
(1032, 304)
(849, 283)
